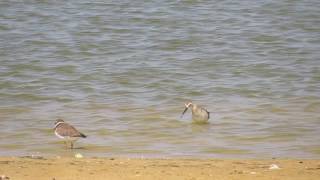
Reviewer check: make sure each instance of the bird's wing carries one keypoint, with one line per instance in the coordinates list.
(203, 109)
(68, 130)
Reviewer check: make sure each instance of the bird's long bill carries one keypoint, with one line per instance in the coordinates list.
(185, 110)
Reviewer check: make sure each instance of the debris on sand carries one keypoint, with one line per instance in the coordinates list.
(34, 157)
(4, 177)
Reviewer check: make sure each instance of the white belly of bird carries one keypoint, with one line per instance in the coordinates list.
(67, 138)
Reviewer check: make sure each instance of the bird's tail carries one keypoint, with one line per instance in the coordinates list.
(82, 135)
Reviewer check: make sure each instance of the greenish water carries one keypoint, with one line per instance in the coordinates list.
(121, 72)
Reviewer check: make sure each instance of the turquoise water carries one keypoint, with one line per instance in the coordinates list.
(121, 72)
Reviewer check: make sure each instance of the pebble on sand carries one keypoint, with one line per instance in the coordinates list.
(4, 177)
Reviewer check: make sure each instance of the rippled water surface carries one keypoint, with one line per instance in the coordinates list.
(121, 71)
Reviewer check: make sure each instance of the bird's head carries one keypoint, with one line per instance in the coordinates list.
(58, 121)
(187, 105)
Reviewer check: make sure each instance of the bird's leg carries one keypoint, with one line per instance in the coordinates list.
(66, 144)
(71, 144)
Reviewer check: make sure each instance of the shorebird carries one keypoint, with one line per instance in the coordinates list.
(199, 114)
(67, 132)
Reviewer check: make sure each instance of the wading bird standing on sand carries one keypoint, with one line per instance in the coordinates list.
(67, 132)
(199, 114)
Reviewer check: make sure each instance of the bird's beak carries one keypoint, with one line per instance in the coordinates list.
(185, 110)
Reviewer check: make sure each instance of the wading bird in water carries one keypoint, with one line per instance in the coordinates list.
(199, 114)
(67, 132)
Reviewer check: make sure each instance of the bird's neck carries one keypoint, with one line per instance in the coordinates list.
(194, 107)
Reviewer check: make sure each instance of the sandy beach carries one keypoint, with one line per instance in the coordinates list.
(57, 168)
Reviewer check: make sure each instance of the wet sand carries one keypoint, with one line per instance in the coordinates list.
(57, 168)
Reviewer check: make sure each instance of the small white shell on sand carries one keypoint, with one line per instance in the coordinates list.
(274, 166)
(78, 155)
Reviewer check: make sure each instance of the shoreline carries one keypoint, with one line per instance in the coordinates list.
(59, 168)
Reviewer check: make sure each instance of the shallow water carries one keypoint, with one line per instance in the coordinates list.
(121, 72)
